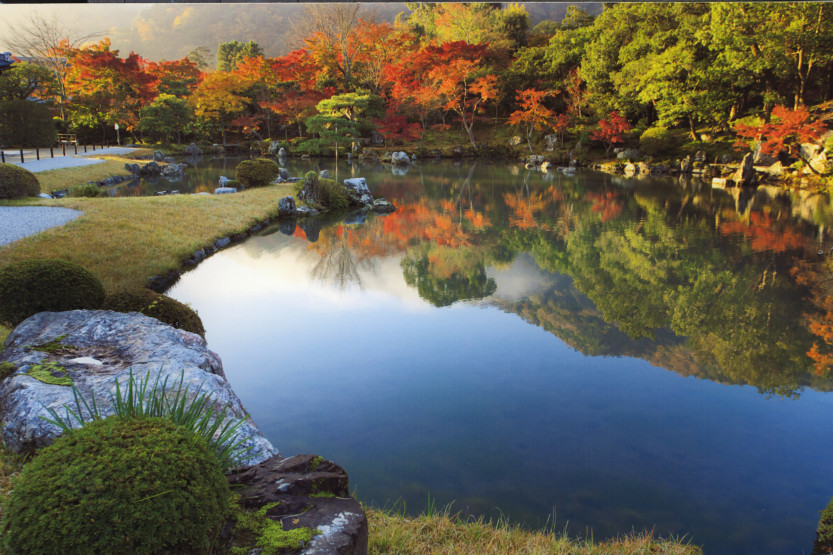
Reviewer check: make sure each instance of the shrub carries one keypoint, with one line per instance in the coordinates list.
(658, 141)
(257, 172)
(89, 190)
(161, 307)
(234, 183)
(118, 485)
(824, 533)
(323, 193)
(33, 286)
(16, 182)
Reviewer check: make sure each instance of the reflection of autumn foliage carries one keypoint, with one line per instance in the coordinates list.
(763, 234)
(524, 208)
(606, 203)
(821, 325)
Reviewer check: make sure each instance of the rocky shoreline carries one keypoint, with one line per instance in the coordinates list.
(92, 350)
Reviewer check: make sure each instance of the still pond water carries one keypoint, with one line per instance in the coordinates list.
(600, 353)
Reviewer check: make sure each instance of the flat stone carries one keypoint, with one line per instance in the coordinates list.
(224, 190)
(311, 492)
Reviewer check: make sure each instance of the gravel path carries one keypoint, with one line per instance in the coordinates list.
(17, 222)
(81, 159)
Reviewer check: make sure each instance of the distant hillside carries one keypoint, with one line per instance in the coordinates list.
(170, 31)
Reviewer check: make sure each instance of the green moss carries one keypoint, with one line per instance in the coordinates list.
(6, 370)
(46, 373)
(316, 462)
(277, 540)
(54, 346)
(161, 307)
(261, 531)
(323, 494)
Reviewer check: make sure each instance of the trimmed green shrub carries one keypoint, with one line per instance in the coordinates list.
(161, 307)
(658, 141)
(118, 485)
(257, 172)
(89, 190)
(322, 193)
(17, 182)
(234, 183)
(33, 286)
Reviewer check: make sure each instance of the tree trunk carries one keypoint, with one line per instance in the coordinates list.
(529, 141)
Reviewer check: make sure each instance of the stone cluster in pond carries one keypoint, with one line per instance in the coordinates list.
(168, 170)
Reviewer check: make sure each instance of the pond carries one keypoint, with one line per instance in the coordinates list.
(591, 352)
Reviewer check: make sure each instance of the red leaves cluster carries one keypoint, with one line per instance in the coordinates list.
(786, 129)
(611, 129)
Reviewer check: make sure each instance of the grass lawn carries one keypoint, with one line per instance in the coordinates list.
(58, 180)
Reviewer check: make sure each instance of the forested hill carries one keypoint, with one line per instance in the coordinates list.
(170, 31)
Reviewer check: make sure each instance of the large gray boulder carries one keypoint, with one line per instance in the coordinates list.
(746, 176)
(286, 207)
(400, 159)
(95, 349)
(358, 191)
(158, 156)
(193, 150)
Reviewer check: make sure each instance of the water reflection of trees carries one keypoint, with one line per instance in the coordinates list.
(677, 277)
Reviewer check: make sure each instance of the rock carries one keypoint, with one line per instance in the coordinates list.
(44, 195)
(358, 191)
(193, 150)
(166, 192)
(551, 140)
(706, 172)
(700, 156)
(685, 165)
(287, 227)
(377, 138)
(819, 162)
(628, 154)
(224, 190)
(721, 182)
(324, 173)
(220, 243)
(515, 141)
(383, 206)
(726, 159)
(310, 492)
(170, 160)
(457, 151)
(400, 159)
(286, 207)
(305, 157)
(745, 176)
(217, 149)
(132, 168)
(121, 343)
(761, 159)
(282, 153)
(283, 173)
(529, 166)
(776, 169)
(304, 211)
(274, 146)
(631, 169)
(569, 170)
(535, 159)
(546, 166)
(158, 156)
(387, 157)
(659, 169)
(151, 168)
(224, 180)
(174, 170)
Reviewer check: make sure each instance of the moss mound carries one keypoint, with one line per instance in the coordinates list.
(658, 141)
(323, 193)
(257, 172)
(161, 307)
(33, 286)
(16, 182)
(118, 485)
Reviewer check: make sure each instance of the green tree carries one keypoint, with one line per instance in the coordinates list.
(575, 18)
(229, 54)
(165, 118)
(27, 80)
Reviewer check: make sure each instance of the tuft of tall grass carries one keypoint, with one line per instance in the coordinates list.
(439, 532)
(139, 399)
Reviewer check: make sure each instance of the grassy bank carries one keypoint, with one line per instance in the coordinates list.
(58, 180)
(443, 533)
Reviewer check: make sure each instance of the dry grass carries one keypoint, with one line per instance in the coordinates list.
(443, 533)
(125, 241)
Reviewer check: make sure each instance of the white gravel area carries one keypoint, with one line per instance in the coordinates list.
(17, 222)
(81, 159)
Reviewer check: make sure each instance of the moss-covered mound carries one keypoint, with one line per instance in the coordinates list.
(322, 193)
(257, 172)
(118, 485)
(161, 307)
(33, 286)
(16, 182)
(658, 141)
